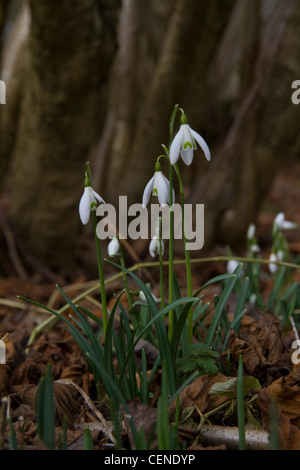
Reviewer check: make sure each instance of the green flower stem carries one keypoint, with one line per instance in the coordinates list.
(161, 267)
(124, 275)
(171, 258)
(101, 275)
(171, 234)
(187, 257)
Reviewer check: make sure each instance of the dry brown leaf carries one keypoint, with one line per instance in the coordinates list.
(286, 392)
(143, 417)
(65, 400)
(288, 433)
(259, 344)
(197, 394)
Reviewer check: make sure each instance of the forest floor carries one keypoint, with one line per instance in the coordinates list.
(266, 345)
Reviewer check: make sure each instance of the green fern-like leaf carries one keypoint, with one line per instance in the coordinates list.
(200, 358)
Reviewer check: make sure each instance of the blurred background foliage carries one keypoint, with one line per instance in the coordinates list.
(97, 80)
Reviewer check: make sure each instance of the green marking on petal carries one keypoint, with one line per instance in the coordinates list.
(154, 192)
(187, 145)
(93, 206)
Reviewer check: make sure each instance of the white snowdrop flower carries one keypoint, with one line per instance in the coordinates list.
(143, 297)
(232, 265)
(255, 248)
(157, 186)
(185, 142)
(281, 224)
(88, 202)
(252, 298)
(251, 232)
(154, 246)
(273, 267)
(113, 247)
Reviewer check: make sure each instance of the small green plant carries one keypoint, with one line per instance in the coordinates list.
(201, 358)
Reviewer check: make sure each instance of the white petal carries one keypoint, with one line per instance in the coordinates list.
(154, 247)
(113, 247)
(147, 192)
(96, 195)
(187, 156)
(287, 225)
(85, 206)
(231, 266)
(162, 185)
(187, 138)
(279, 220)
(251, 232)
(273, 267)
(201, 143)
(176, 146)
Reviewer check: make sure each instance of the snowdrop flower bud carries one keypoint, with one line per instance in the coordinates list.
(113, 247)
(184, 144)
(251, 232)
(88, 201)
(231, 266)
(154, 246)
(158, 186)
(273, 267)
(255, 248)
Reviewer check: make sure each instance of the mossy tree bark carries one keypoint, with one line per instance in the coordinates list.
(69, 53)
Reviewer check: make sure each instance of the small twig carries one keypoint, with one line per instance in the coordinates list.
(256, 439)
(13, 253)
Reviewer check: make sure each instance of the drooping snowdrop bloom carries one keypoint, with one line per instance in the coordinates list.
(143, 297)
(278, 256)
(185, 142)
(157, 186)
(154, 246)
(232, 264)
(113, 247)
(88, 201)
(251, 232)
(281, 224)
(272, 266)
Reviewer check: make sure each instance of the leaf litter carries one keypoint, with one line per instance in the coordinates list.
(207, 406)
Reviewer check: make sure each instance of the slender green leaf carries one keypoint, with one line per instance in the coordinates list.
(240, 406)
(221, 305)
(45, 410)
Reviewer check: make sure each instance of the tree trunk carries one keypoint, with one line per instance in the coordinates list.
(179, 76)
(70, 50)
(264, 132)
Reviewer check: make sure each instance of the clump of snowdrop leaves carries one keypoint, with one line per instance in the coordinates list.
(89, 201)
(185, 142)
(157, 186)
